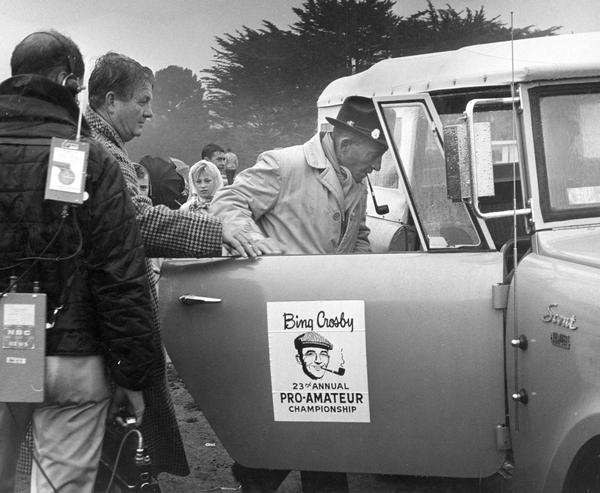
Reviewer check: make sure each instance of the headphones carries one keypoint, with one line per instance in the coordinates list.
(71, 82)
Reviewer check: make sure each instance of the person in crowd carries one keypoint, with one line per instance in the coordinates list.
(205, 179)
(88, 260)
(216, 155)
(231, 165)
(183, 170)
(143, 179)
(120, 95)
(310, 198)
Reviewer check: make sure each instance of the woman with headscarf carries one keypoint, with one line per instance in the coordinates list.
(205, 180)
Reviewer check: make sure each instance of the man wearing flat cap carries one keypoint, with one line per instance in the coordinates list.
(310, 198)
(313, 354)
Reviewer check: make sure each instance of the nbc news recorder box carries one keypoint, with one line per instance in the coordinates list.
(22, 355)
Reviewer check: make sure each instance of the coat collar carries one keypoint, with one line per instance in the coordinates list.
(315, 157)
(39, 99)
(101, 126)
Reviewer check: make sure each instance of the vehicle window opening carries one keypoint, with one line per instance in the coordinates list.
(504, 154)
(501, 229)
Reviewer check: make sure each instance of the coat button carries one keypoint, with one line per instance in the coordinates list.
(336, 216)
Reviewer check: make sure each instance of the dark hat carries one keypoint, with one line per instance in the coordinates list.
(358, 115)
(311, 339)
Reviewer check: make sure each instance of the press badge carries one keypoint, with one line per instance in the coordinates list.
(65, 181)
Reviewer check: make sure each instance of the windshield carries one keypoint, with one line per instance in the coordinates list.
(567, 123)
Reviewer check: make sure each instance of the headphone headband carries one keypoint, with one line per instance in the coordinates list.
(69, 57)
(71, 81)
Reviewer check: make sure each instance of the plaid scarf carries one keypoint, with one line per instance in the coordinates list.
(104, 133)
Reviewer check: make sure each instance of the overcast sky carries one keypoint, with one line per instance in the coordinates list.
(159, 33)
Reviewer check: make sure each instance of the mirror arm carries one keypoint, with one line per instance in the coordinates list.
(469, 113)
(495, 215)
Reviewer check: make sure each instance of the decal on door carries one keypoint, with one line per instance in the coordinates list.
(318, 356)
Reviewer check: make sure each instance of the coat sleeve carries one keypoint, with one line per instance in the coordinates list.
(253, 193)
(117, 277)
(172, 233)
(362, 244)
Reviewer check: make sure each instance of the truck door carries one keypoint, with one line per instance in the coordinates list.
(387, 363)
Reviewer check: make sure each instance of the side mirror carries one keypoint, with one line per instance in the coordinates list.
(482, 154)
(468, 161)
(458, 162)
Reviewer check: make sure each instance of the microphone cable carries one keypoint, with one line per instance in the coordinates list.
(40, 257)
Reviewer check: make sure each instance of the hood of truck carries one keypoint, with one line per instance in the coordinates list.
(579, 245)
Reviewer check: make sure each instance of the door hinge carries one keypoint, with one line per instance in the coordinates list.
(506, 471)
(500, 296)
(502, 437)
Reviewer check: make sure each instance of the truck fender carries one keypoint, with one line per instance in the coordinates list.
(572, 457)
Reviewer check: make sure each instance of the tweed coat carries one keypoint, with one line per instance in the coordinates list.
(294, 196)
(165, 233)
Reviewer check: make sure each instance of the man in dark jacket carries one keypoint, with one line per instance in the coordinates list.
(88, 260)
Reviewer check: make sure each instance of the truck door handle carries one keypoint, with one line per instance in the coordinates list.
(192, 299)
(520, 343)
(521, 396)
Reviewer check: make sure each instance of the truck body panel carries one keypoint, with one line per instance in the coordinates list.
(560, 370)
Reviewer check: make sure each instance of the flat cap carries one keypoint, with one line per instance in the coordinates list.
(311, 339)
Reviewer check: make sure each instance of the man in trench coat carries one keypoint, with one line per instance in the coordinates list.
(310, 198)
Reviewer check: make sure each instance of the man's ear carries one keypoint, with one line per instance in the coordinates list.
(58, 76)
(62, 77)
(345, 142)
(109, 101)
(298, 359)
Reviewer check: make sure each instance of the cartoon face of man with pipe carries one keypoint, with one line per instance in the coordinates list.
(313, 354)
